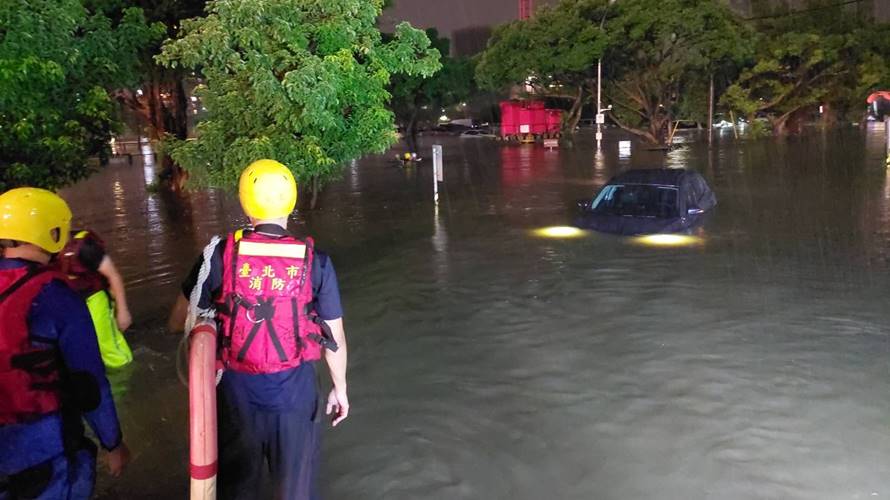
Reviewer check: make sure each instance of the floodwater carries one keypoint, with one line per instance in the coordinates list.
(489, 363)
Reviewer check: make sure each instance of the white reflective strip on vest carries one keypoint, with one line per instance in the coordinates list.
(257, 249)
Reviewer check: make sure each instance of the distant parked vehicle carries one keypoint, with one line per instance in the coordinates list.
(648, 201)
(477, 133)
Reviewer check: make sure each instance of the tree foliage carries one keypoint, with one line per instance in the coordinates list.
(555, 52)
(162, 115)
(651, 50)
(58, 60)
(301, 81)
(450, 85)
(661, 50)
(796, 70)
(162, 100)
(825, 54)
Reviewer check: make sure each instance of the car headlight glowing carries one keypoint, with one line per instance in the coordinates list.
(559, 232)
(668, 240)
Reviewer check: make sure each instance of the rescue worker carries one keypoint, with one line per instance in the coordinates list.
(51, 373)
(91, 272)
(278, 309)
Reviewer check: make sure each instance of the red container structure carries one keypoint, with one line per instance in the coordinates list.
(509, 119)
(524, 120)
(554, 121)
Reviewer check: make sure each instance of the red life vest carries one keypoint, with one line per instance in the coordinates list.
(82, 279)
(29, 376)
(265, 310)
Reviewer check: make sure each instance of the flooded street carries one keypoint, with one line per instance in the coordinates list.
(490, 363)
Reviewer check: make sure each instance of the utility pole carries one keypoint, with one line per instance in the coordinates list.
(600, 118)
(711, 112)
(525, 9)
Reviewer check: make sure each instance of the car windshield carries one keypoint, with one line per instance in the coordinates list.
(641, 200)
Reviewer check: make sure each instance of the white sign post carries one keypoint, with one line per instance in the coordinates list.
(438, 173)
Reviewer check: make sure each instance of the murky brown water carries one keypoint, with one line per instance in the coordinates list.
(486, 363)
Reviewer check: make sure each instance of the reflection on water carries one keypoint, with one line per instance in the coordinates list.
(148, 160)
(489, 363)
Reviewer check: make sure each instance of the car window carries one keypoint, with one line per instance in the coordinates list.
(639, 200)
(692, 193)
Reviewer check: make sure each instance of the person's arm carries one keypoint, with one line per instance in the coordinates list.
(326, 292)
(176, 321)
(338, 400)
(210, 289)
(62, 312)
(116, 287)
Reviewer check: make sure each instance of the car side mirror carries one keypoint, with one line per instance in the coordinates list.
(584, 205)
(694, 211)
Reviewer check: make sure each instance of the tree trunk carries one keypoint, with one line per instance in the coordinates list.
(780, 125)
(658, 126)
(156, 106)
(411, 132)
(829, 116)
(644, 134)
(653, 134)
(574, 115)
(314, 182)
(163, 118)
(177, 125)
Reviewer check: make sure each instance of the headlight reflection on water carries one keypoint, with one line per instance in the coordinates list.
(559, 232)
(667, 240)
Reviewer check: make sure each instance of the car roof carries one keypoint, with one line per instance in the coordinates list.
(654, 176)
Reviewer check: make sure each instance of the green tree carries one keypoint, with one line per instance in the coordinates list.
(872, 70)
(58, 60)
(795, 73)
(161, 101)
(450, 85)
(301, 81)
(555, 52)
(662, 50)
(824, 55)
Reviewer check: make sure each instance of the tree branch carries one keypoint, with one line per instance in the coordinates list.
(638, 132)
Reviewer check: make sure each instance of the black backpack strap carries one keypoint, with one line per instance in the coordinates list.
(247, 342)
(275, 341)
(295, 313)
(326, 337)
(264, 311)
(39, 362)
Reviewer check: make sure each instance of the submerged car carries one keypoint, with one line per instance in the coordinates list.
(648, 201)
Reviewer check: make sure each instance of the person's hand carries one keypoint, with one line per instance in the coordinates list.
(338, 406)
(118, 459)
(124, 320)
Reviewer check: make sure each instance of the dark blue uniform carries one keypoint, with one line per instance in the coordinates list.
(50, 457)
(270, 418)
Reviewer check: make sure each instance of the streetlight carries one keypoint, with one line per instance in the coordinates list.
(600, 117)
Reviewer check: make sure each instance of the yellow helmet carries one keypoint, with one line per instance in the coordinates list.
(35, 216)
(267, 190)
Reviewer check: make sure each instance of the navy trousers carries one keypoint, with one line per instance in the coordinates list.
(256, 441)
